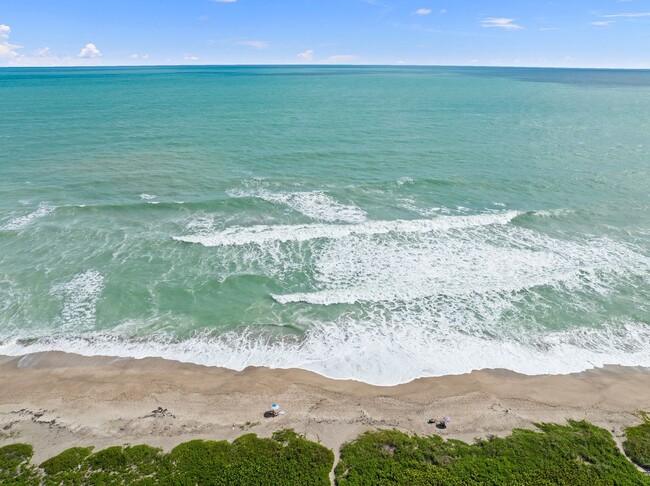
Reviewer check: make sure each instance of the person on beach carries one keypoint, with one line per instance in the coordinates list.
(440, 424)
(274, 411)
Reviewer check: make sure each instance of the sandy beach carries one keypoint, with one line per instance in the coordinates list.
(56, 400)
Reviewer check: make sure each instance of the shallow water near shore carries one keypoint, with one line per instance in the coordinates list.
(374, 223)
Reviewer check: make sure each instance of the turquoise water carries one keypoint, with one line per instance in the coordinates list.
(373, 223)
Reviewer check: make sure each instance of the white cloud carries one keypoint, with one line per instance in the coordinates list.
(89, 51)
(423, 11)
(443, 11)
(308, 55)
(603, 23)
(7, 50)
(501, 23)
(42, 56)
(255, 44)
(190, 57)
(139, 56)
(342, 58)
(628, 15)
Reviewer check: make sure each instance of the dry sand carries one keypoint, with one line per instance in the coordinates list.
(57, 400)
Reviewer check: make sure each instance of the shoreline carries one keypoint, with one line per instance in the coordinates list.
(55, 400)
(370, 368)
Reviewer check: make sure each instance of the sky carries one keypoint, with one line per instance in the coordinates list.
(561, 33)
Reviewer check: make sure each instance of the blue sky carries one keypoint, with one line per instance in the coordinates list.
(582, 33)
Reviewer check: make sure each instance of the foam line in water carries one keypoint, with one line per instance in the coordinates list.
(313, 204)
(80, 296)
(479, 261)
(552, 213)
(387, 355)
(201, 223)
(410, 204)
(261, 234)
(474, 320)
(22, 222)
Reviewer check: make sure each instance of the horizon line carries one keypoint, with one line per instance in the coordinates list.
(327, 65)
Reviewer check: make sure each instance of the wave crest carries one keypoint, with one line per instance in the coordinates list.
(261, 234)
(22, 222)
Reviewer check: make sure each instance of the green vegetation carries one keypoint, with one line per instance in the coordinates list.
(637, 443)
(138, 465)
(69, 460)
(285, 459)
(15, 468)
(573, 455)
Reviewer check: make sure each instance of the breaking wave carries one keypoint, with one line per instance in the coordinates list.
(21, 222)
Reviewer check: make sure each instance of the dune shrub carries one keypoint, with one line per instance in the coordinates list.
(285, 459)
(637, 443)
(575, 454)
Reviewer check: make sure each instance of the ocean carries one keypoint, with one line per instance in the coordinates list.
(370, 223)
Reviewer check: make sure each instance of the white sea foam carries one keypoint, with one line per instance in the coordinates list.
(79, 296)
(404, 180)
(201, 223)
(147, 197)
(431, 304)
(378, 353)
(410, 204)
(553, 212)
(262, 234)
(22, 222)
(313, 204)
(469, 264)
(431, 297)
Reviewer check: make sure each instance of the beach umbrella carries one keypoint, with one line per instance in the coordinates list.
(275, 407)
(446, 420)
